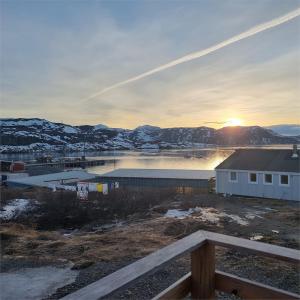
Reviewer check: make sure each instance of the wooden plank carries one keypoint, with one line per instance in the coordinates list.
(258, 248)
(177, 290)
(203, 272)
(247, 289)
(139, 268)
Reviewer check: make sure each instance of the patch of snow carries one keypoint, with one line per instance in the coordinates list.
(22, 122)
(256, 237)
(270, 209)
(14, 209)
(252, 216)
(178, 214)
(148, 128)
(69, 129)
(34, 283)
(207, 214)
(286, 129)
(100, 126)
(236, 219)
(70, 233)
(149, 146)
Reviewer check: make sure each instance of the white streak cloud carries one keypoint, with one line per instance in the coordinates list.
(252, 31)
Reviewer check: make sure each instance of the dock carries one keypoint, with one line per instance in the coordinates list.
(70, 163)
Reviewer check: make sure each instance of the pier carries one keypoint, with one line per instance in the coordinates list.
(63, 164)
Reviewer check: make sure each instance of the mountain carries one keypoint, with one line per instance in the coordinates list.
(26, 135)
(286, 129)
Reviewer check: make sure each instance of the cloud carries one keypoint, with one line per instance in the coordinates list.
(61, 64)
(195, 55)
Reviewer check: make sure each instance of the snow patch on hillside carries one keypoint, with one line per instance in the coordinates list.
(100, 126)
(69, 129)
(286, 129)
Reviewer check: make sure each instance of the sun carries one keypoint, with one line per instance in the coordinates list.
(233, 122)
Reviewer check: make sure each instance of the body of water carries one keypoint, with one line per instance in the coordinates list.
(192, 159)
(206, 159)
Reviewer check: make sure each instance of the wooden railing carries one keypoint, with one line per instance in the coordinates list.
(203, 280)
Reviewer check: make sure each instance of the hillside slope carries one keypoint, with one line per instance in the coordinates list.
(26, 135)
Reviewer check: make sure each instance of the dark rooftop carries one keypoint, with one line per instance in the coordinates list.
(276, 160)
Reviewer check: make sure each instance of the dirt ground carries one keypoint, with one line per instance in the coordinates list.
(96, 251)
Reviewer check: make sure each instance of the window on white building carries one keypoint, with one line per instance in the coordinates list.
(233, 176)
(268, 178)
(284, 180)
(252, 177)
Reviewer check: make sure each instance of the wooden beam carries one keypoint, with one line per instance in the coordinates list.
(203, 272)
(126, 275)
(257, 248)
(247, 289)
(177, 290)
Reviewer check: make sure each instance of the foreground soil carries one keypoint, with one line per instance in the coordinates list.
(97, 251)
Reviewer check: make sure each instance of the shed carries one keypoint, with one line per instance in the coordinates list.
(159, 177)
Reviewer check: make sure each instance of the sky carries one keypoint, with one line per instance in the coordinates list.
(55, 55)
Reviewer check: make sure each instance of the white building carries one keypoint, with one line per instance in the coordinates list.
(267, 173)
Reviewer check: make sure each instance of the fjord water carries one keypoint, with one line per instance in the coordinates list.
(204, 159)
(191, 159)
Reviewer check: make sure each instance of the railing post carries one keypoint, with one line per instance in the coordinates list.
(203, 272)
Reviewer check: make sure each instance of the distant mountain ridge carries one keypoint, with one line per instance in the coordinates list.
(286, 129)
(27, 135)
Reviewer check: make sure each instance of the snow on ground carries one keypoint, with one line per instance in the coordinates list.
(34, 283)
(178, 214)
(14, 209)
(206, 214)
(256, 237)
(236, 219)
(250, 216)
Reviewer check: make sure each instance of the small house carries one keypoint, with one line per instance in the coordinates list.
(267, 173)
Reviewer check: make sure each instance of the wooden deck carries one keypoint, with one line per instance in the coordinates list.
(203, 280)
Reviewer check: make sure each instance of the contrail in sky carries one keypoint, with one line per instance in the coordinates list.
(252, 31)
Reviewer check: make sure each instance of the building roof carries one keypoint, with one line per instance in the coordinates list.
(276, 160)
(161, 173)
(46, 180)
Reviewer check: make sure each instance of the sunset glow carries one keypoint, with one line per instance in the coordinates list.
(233, 122)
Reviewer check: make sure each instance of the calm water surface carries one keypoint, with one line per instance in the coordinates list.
(192, 159)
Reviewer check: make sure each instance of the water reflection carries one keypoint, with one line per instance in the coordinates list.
(192, 160)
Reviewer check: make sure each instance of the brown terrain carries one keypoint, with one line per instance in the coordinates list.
(118, 229)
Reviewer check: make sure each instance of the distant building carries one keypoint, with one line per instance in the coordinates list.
(141, 178)
(267, 173)
(47, 180)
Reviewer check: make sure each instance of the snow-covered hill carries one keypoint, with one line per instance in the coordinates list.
(26, 135)
(286, 129)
